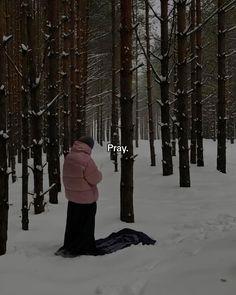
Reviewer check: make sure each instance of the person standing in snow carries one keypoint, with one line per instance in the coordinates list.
(80, 178)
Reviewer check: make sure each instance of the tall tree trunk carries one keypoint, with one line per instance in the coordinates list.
(114, 107)
(25, 115)
(200, 161)
(231, 129)
(182, 97)
(126, 103)
(98, 121)
(10, 18)
(84, 44)
(149, 88)
(81, 65)
(101, 121)
(221, 112)
(4, 206)
(101, 131)
(167, 165)
(17, 85)
(174, 136)
(36, 120)
(175, 105)
(108, 138)
(72, 73)
(65, 76)
(136, 83)
(53, 63)
(193, 150)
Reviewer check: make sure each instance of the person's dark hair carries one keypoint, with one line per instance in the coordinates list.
(88, 140)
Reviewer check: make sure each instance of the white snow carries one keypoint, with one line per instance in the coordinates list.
(24, 47)
(5, 39)
(195, 229)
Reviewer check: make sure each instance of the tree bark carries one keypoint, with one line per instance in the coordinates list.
(149, 89)
(25, 115)
(81, 66)
(200, 160)
(65, 76)
(72, 73)
(182, 96)
(85, 43)
(221, 107)
(193, 149)
(126, 103)
(4, 206)
(36, 120)
(11, 76)
(114, 106)
(137, 119)
(167, 165)
(53, 68)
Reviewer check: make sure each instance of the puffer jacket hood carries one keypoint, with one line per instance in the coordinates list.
(79, 147)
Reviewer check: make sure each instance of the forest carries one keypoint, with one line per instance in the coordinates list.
(156, 77)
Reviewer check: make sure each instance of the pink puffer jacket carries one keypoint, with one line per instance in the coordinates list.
(81, 175)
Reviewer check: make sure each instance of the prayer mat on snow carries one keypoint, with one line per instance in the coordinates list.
(120, 240)
(116, 241)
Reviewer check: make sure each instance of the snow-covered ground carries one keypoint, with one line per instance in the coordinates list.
(195, 229)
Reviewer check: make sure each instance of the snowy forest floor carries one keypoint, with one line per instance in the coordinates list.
(195, 229)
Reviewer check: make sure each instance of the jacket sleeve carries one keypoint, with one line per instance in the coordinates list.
(92, 175)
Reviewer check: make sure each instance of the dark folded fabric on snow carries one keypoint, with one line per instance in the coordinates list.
(112, 243)
(120, 240)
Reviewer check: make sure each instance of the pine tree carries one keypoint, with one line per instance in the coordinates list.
(114, 107)
(53, 70)
(193, 149)
(149, 88)
(72, 72)
(12, 98)
(126, 103)
(36, 118)
(4, 206)
(136, 82)
(81, 65)
(167, 165)
(221, 112)
(65, 75)
(25, 114)
(200, 160)
(182, 96)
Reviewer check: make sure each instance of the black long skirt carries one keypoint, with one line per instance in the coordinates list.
(80, 226)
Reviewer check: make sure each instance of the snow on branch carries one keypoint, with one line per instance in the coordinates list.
(159, 102)
(24, 48)
(208, 97)
(174, 100)
(44, 193)
(4, 134)
(191, 59)
(230, 29)
(57, 97)
(5, 39)
(231, 53)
